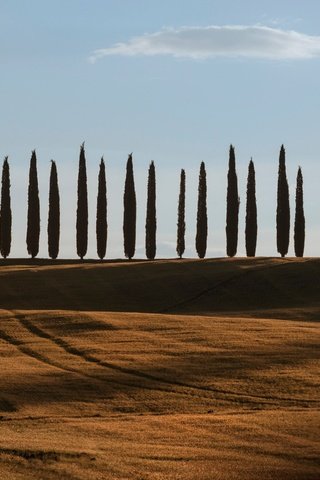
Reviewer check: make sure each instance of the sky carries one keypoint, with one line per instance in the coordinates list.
(176, 82)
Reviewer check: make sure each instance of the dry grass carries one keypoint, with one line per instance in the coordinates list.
(93, 394)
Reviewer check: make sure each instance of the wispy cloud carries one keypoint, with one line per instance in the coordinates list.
(218, 41)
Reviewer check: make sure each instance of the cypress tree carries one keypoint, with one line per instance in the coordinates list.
(54, 213)
(151, 222)
(251, 213)
(129, 212)
(283, 208)
(33, 225)
(101, 223)
(202, 221)
(299, 223)
(232, 206)
(82, 207)
(181, 215)
(5, 214)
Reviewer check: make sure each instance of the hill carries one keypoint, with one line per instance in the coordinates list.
(268, 287)
(160, 370)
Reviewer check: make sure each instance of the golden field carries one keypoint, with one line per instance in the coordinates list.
(160, 370)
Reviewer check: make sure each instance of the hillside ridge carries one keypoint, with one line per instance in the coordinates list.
(272, 287)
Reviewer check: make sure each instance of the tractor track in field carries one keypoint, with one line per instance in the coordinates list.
(221, 283)
(26, 350)
(208, 392)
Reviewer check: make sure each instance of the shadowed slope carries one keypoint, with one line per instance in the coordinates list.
(275, 288)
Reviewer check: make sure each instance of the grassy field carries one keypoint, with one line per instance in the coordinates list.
(160, 370)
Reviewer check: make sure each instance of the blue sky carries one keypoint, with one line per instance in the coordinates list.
(176, 109)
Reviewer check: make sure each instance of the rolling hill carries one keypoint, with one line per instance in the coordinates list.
(276, 288)
(160, 370)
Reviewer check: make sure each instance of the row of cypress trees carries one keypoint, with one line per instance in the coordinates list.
(251, 227)
(130, 207)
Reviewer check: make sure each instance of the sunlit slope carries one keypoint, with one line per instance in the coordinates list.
(203, 363)
(153, 396)
(276, 288)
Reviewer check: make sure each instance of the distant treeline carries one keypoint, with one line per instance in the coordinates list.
(130, 206)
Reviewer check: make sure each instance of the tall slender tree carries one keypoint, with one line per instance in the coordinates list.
(299, 223)
(54, 213)
(181, 226)
(283, 207)
(251, 213)
(232, 206)
(151, 222)
(5, 213)
(101, 223)
(33, 224)
(82, 206)
(202, 220)
(129, 212)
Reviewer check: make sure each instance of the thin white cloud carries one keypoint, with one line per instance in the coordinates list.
(219, 41)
